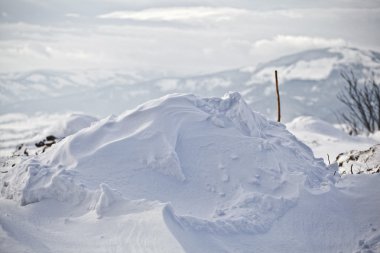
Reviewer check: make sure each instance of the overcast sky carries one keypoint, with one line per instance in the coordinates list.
(176, 37)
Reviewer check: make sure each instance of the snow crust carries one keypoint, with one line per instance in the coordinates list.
(183, 174)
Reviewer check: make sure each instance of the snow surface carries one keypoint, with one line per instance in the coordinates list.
(185, 174)
(326, 140)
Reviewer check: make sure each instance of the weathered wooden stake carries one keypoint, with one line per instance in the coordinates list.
(278, 98)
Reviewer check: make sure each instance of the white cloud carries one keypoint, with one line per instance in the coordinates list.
(72, 15)
(191, 14)
(288, 44)
(177, 14)
(299, 42)
(179, 40)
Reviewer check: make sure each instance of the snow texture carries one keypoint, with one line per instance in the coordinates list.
(17, 129)
(185, 174)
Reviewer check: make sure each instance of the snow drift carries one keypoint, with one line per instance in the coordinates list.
(189, 174)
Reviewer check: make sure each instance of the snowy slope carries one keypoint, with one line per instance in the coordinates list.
(185, 174)
(17, 129)
(326, 140)
(309, 82)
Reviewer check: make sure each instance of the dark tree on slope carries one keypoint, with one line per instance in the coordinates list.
(362, 100)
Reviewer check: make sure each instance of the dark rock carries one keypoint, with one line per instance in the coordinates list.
(39, 144)
(50, 138)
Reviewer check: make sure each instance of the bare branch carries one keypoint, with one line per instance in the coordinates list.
(362, 102)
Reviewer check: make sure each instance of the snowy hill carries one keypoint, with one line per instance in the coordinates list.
(309, 82)
(185, 174)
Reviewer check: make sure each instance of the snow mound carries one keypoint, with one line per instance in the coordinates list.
(186, 174)
(70, 124)
(315, 125)
(220, 165)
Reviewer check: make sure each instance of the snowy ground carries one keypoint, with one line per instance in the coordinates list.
(327, 140)
(189, 174)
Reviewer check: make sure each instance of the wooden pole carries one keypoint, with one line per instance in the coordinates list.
(278, 98)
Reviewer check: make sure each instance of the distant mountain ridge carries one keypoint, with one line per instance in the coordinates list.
(309, 83)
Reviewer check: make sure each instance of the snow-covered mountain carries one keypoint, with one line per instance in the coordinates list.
(309, 82)
(20, 89)
(185, 174)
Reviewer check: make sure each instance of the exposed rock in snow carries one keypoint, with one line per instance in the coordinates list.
(358, 162)
(20, 129)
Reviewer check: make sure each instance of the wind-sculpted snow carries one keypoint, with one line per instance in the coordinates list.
(177, 141)
(176, 174)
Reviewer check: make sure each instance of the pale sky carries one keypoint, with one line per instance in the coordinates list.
(176, 37)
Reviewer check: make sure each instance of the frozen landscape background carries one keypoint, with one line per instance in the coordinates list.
(164, 117)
